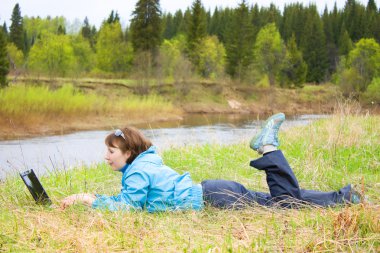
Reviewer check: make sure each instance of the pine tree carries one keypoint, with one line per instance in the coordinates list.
(16, 34)
(61, 30)
(345, 43)
(113, 18)
(208, 21)
(5, 30)
(239, 41)
(89, 32)
(196, 31)
(371, 6)
(168, 26)
(371, 19)
(226, 17)
(197, 27)
(86, 29)
(255, 21)
(4, 63)
(354, 18)
(295, 68)
(313, 45)
(270, 15)
(327, 26)
(335, 19)
(178, 23)
(332, 48)
(293, 22)
(215, 23)
(146, 26)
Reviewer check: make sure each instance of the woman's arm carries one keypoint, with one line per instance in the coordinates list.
(133, 195)
(81, 198)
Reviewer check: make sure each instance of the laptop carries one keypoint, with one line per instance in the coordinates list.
(35, 187)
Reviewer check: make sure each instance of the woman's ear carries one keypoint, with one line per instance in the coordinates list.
(127, 154)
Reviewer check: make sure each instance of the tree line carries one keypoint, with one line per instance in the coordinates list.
(248, 43)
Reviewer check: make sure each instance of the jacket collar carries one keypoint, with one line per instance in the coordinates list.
(151, 150)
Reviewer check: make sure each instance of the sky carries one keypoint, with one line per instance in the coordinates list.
(97, 10)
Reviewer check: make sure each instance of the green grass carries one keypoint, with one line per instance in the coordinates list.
(25, 101)
(325, 155)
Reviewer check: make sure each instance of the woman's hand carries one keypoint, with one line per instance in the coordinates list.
(81, 198)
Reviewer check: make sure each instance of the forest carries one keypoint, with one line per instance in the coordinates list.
(261, 46)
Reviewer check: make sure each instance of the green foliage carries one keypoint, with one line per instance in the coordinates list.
(15, 56)
(170, 56)
(179, 25)
(113, 18)
(372, 94)
(293, 21)
(4, 63)
(313, 46)
(174, 64)
(146, 26)
(270, 15)
(83, 53)
(36, 27)
(362, 65)
(269, 52)
(196, 31)
(61, 30)
(16, 34)
(52, 54)
(168, 26)
(295, 69)
(349, 81)
(239, 40)
(113, 54)
(355, 19)
(211, 58)
(5, 30)
(321, 38)
(345, 42)
(89, 32)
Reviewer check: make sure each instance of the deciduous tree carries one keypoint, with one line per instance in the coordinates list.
(269, 52)
(52, 54)
(113, 54)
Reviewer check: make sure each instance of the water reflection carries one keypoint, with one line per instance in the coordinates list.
(84, 148)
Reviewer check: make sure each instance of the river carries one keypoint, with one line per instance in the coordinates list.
(44, 154)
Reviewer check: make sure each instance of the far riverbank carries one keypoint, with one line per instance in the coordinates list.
(108, 104)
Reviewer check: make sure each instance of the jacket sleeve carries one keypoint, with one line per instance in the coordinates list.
(133, 195)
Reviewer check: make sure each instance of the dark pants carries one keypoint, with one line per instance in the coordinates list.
(283, 187)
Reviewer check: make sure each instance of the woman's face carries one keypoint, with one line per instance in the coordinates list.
(115, 158)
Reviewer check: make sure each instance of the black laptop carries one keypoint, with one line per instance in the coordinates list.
(35, 187)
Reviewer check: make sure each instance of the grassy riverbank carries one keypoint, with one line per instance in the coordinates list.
(325, 156)
(28, 110)
(43, 106)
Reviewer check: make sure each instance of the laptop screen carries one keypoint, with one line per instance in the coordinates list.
(35, 187)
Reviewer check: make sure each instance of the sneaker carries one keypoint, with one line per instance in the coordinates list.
(268, 134)
(356, 197)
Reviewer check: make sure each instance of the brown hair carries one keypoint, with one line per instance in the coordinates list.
(135, 142)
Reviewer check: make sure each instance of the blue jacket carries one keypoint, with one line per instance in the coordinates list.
(149, 184)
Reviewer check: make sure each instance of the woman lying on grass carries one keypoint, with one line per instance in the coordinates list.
(148, 184)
